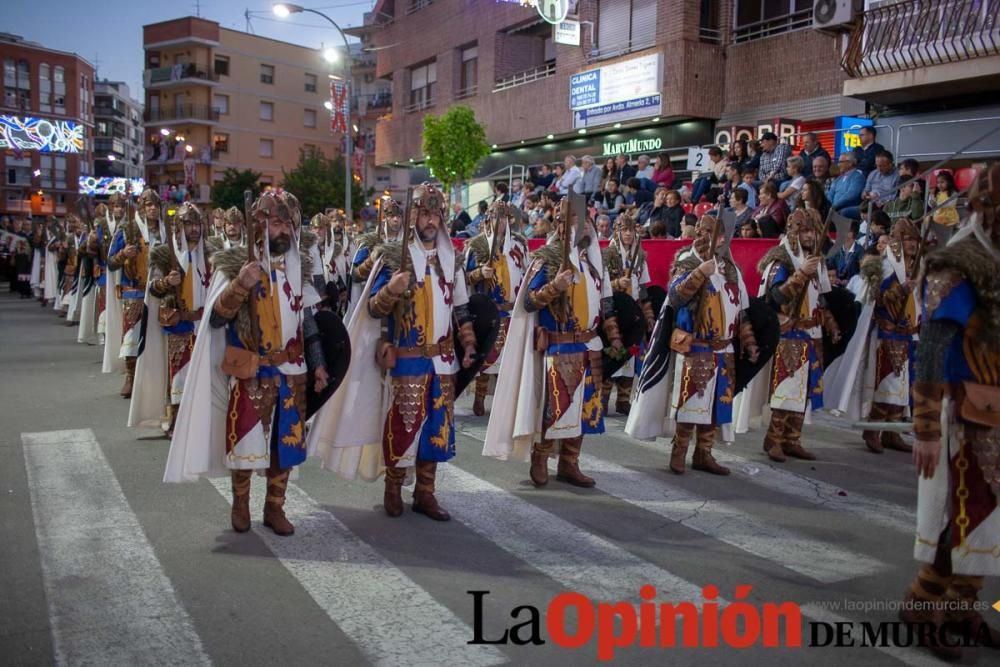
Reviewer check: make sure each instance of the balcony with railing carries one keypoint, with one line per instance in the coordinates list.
(179, 74)
(915, 49)
(183, 113)
(519, 79)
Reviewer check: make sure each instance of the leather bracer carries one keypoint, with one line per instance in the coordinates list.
(688, 287)
(648, 314)
(467, 335)
(543, 296)
(610, 327)
(160, 288)
(927, 409)
(794, 286)
(383, 302)
(747, 337)
(361, 272)
(229, 302)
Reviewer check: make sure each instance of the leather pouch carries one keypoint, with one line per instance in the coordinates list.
(981, 404)
(240, 363)
(680, 341)
(541, 339)
(168, 317)
(385, 355)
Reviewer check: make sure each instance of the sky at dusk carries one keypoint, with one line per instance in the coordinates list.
(109, 33)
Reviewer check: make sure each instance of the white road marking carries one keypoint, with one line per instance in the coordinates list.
(362, 592)
(110, 603)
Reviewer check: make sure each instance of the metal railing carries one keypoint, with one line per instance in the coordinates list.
(466, 92)
(419, 106)
(619, 49)
(799, 20)
(179, 72)
(417, 5)
(521, 78)
(919, 33)
(185, 112)
(709, 35)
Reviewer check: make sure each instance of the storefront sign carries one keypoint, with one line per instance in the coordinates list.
(632, 146)
(848, 131)
(567, 32)
(621, 91)
(727, 135)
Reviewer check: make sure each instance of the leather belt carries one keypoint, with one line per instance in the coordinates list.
(890, 327)
(715, 344)
(557, 338)
(192, 316)
(293, 351)
(447, 346)
(807, 323)
(120, 291)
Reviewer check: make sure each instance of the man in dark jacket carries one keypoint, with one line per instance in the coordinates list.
(810, 150)
(867, 151)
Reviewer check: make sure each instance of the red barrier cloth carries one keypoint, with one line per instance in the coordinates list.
(660, 255)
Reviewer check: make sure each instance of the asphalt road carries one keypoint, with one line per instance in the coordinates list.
(102, 563)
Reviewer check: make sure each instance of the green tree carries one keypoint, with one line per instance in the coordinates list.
(229, 191)
(318, 183)
(455, 144)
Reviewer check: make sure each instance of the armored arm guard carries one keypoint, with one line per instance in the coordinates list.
(929, 383)
(160, 287)
(790, 290)
(314, 346)
(535, 300)
(687, 288)
(228, 303)
(747, 337)
(361, 272)
(383, 302)
(648, 314)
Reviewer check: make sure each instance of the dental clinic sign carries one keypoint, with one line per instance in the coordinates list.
(618, 92)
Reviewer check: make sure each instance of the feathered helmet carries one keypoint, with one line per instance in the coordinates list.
(799, 221)
(279, 204)
(233, 216)
(148, 196)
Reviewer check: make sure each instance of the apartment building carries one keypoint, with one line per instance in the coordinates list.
(48, 116)
(118, 132)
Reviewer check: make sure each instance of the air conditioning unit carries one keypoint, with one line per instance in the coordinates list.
(834, 15)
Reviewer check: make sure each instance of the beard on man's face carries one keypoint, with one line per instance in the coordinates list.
(427, 232)
(279, 245)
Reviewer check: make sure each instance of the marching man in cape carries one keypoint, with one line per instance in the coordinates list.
(389, 230)
(38, 245)
(244, 404)
(625, 261)
(129, 256)
(495, 261)
(54, 238)
(417, 295)
(109, 324)
(552, 372)
(70, 258)
(956, 420)
(175, 300)
(90, 274)
(337, 259)
(795, 280)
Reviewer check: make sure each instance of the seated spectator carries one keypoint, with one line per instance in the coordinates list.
(589, 183)
(610, 202)
(813, 196)
(657, 230)
(663, 175)
(866, 153)
(667, 209)
(945, 214)
(625, 170)
(810, 151)
(571, 174)
(545, 177)
(501, 192)
(878, 227)
(847, 261)
(909, 204)
(748, 229)
(715, 174)
(793, 186)
(749, 180)
(738, 155)
(520, 198)
(473, 227)
(821, 172)
(738, 203)
(687, 231)
(845, 192)
(771, 212)
(603, 227)
(909, 169)
(557, 173)
(609, 170)
(880, 186)
(773, 158)
(635, 195)
(754, 151)
(460, 220)
(644, 169)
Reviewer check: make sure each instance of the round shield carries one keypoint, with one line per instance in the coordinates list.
(631, 326)
(336, 352)
(845, 310)
(767, 332)
(486, 324)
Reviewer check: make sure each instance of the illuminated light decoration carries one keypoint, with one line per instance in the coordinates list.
(165, 132)
(27, 133)
(107, 185)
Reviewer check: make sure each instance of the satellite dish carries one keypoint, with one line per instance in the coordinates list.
(553, 11)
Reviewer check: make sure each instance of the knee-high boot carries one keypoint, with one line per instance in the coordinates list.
(792, 445)
(126, 391)
(679, 447)
(569, 463)
(922, 606)
(891, 439)
(776, 434)
(274, 502)
(240, 515)
(962, 595)
(623, 402)
(606, 387)
(703, 459)
(392, 499)
(479, 401)
(540, 453)
(878, 413)
(424, 501)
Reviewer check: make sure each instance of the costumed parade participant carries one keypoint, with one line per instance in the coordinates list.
(388, 229)
(179, 274)
(257, 347)
(218, 230)
(400, 391)
(109, 324)
(22, 252)
(90, 272)
(70, 258)
(234, 234)
(337, 260)
(873, 379)
(552, 374)
(495, 261)
(129, 257)
(39, 242)
(54, 236)
(319, 227)
(625, 261)
(956, 420)
(706, 333)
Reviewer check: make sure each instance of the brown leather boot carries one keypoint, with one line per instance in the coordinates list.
(961, 612)
(569, 468)
(126, 391)
(274, 502)
(792, 445)
(241, 500)
(679, 447)
(623, 402)
(871, 438)
(171, 419)
(916, 612)
(479, 401)
(775, 435)
(892, 439)
(606, 387)
(539, 471)
(703, 459)
(392, 499)
(424, 501)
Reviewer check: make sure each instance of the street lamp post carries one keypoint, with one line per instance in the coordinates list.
(282, 10)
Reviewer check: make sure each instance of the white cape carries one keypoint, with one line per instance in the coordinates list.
(149, 390)
(113, 363)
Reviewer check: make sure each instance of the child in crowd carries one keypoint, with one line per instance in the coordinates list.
(945, 214)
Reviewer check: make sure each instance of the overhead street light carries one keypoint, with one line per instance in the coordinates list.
(331, 55)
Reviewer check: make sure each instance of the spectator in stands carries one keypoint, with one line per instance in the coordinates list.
(880, 186)
(672, 214)
(738, 155)
(821, 172)
(773, 158)
(603, 227)
(663, 175)
(878, 227)
(909, 169)
(687, 230)
(460, 220)
(847, 261)
(748, 229)
(738, 202)
(754, 151)
(501, 192)
(771, 212)
(749, 180)
(945, 214)
(793, 187)
(715, 174)
(473, 227)
(810, 151)
(657, 230)
(611, 201)
(909, 204)
(845, 192)
(545, 177)
(867, 151)
(571, 174)
(526, 191)
(645, 169)
(625, 170)
(635, 194)
(589, 183)
(609, 170)
(813, 196)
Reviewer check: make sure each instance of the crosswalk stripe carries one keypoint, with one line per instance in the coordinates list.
(361, 591)
(109, 600)
(823, 561)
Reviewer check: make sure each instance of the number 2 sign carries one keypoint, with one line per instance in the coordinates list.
(698, 159)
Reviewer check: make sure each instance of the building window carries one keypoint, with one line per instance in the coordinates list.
(417, 5)
(756, 19)
(267, 74)
(220, 143)
(59, 89)
(626, 26)
(45, 87)
(267, 111)
(309, 118)
(266, 148)
(469, 74)
(310, 83)
(221, 104)
(222, 65)
(422, 80)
